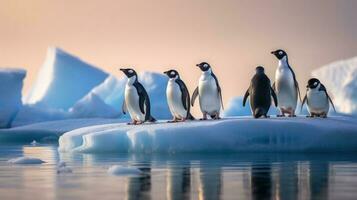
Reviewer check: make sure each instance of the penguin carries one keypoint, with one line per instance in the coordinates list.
(209, 92)
(285, 86)
(317, 99)
(260, 92)
(178, 97)
(136, 100)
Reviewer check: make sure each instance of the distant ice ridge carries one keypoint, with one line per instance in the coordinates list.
(11, 83)
(242, 134)
(235, 108)
(63, 80)
(340, 79)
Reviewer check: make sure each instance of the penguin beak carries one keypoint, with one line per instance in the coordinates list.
(122, 69)
(273, 52)
(166, 72)
(198, 65)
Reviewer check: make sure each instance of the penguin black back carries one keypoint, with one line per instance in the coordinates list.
(260, 93)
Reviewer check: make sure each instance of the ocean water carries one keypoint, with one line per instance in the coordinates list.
(178, 176)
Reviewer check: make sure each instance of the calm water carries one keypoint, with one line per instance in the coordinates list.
(179, 176)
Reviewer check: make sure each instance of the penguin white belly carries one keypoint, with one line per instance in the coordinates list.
(208, 95)
(132, 103)
(285, 89)
(317, 102)
(174, 100)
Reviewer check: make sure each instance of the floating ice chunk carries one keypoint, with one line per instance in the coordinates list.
(34, 143)
(340, 79)
(91, 106)
(25, 161)
(117, 170)
(242, 134)
(63, 80)
(11, 82)
(235, 108)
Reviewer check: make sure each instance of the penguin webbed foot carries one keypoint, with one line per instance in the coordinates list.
(291, 115)
(280, 115)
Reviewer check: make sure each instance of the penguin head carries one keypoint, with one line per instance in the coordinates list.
(204, 66)
(172, 73)
(129, 72)
(279, 54)
(313, 83)
(259, 70)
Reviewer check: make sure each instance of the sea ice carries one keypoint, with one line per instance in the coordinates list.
(11, 82)
(63, 80)
(117, 170)
(239, 134)
(25, 161)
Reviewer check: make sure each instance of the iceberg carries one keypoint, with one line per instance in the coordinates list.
(92, 106)
(11, 83)
(237, 134)
(111, 92)
(117, 170)
(340, 79)
(63, 80)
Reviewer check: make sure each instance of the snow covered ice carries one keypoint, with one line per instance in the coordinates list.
(340, 79)
(26, 161)
(11, 82)
(63, 80)
(242, 134)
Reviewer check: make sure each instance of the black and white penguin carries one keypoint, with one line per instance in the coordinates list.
(136, 100)
(285, 86)
(317, 99)
(209, 92)
(178, 97)
(260, 93)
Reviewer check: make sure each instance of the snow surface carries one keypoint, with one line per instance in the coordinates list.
(48, 131)
(25, 161)
(242, 134)
(117, 170)
(111, 92)
(11, 83)
(63, 80)
(340, 79)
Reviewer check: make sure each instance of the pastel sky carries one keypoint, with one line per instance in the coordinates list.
(234, 36)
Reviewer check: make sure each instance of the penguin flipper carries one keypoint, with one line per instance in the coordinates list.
(296, 83)
(194, 96)
(303, 102)
(124, 108)
(322, 88)
(245, 97)
(143, 98)
(274, 96)
(218, 88)
(185, 97)
(273, 86)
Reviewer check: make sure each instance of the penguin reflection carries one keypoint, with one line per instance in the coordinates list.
(139, 187)
(261, 181)
(210, 182)
(178, 183)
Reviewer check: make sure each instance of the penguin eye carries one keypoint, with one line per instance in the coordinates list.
(315, 84)
(280, 53)
(130, 71)
(205, 65)
(172, 73)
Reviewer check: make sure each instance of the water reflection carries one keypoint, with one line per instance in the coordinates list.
(236, 176)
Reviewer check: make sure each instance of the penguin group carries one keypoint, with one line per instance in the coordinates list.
(284, 92)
